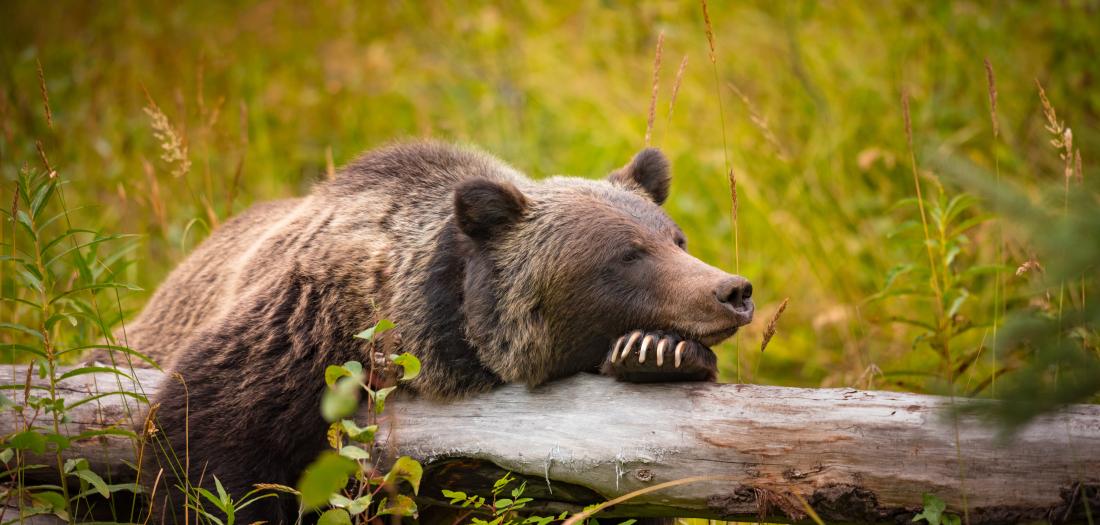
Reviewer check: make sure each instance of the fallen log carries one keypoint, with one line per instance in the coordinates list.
(765, 452)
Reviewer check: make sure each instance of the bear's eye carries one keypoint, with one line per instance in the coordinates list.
(631, 256)
(681, 243)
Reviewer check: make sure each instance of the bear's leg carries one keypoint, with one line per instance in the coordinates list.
(648, 357)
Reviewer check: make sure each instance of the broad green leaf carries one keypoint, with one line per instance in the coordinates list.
(454, 495)
(72, 465)
(933, 509)
(355, 367)
(334, 372)
(95, 481)
(379, 328)
(334, 517)
(325, 476)
(354, 452)
(379, 397)
(28, 440)
(341, 401)
(399, 505)
(409, 363)
(54, 502)
(408, 469)
(357, 433)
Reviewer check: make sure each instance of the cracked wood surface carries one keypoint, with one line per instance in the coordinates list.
(855, 456)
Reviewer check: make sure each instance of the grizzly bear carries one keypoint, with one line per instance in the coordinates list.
(489, 277)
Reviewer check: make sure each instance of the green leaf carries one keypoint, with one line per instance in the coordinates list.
(355, 367)
(354, 452)
(20, 328)
(41, 198)
(357, 433)
(357, 506)
(399, 505)
(29, 440)
(379, 328)
(210, 497)
(75, 464)
(6, 455)
(408, 469)
(325, 476)
(379, 397)
(340, 402)
(129, 487)
(334, 517)
(222, 495)
(958, 302)
(95, 481)
(92, 370)
(54, 502)
(409, 363)
(455, 495)
(333, 373)
(933, 509)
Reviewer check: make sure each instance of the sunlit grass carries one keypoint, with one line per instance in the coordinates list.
(266, 99)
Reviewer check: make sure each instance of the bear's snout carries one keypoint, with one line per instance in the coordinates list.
(735, 294)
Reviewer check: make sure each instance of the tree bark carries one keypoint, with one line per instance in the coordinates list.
(769, 452)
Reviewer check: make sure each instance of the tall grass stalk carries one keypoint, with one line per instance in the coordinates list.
(998, 282)
(1062, 139)
(729, 169)
(942, 334)
(675, 91)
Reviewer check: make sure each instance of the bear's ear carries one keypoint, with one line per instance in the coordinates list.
(484, 208)
(648, 171)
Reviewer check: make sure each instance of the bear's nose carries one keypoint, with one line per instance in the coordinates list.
(735, 291)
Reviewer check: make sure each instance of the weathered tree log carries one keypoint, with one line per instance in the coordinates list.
(853, 456)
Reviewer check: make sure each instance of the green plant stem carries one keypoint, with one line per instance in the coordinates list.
(51, 357)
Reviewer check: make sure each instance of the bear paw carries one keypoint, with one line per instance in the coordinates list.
(645, 357)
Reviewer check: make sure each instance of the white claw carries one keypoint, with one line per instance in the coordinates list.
(645, 346)
(630, 344)
(661, 347)
(615, 349)
(679, 353)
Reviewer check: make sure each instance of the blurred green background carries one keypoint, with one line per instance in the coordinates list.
(264, 95)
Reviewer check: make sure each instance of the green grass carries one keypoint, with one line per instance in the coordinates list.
(270, 88)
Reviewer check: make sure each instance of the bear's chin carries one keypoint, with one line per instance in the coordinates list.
(715, 338)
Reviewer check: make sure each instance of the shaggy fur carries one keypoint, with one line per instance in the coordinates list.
(489, 277)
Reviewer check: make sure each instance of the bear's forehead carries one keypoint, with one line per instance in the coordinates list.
(602, 205)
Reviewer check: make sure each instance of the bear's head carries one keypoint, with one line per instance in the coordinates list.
(556, 270)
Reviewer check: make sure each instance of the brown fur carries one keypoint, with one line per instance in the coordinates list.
(489, 277)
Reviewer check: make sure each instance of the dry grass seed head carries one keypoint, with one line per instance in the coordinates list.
(656, 87)
(769, 332)
(733, 192)
(676, 85)
(710, 32)
(45, 94)
(173, 147)
(992, 84)
(760, 122)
